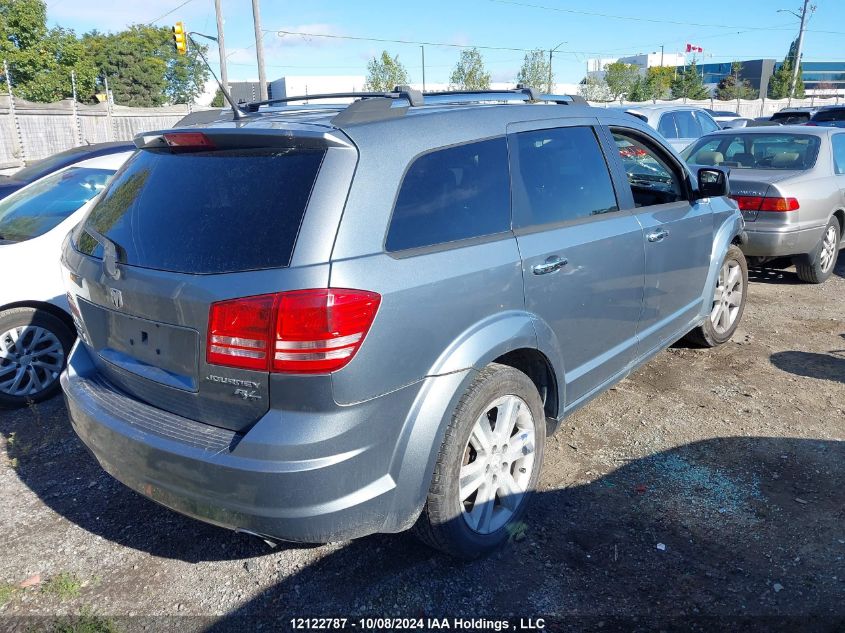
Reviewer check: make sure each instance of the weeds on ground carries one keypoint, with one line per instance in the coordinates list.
(7, 591)
(85, 622)
(65, 585)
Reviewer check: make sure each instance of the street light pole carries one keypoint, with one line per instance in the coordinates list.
(259, 49)
(551, 76)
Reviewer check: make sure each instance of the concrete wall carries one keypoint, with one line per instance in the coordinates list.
(30, 131)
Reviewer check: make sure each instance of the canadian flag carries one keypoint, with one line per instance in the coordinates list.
(692, 48)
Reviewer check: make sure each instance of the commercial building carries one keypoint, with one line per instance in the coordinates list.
(595, 67)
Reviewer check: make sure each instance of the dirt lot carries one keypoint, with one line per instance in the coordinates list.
(710, 484)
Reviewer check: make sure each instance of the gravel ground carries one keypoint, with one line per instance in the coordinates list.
(709, 484)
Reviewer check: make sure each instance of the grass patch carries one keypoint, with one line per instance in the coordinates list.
(64, 585)
(85, 622)
(7, 591)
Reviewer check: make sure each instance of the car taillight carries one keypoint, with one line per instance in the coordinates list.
(301, 331)
(188, 140)
(766, 203)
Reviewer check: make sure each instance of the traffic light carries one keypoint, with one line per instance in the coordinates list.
(180, 39)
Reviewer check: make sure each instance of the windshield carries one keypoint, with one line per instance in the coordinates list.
(43, 205)
(755, 151)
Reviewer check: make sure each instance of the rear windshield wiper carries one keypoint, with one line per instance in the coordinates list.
(110, 252)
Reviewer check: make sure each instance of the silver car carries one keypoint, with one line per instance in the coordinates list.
(789, 183)
(680, 125)
(294, 325)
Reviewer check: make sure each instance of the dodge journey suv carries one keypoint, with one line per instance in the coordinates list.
(317, 322)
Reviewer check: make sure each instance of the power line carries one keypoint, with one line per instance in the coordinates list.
(633, 18)
(413, 42)
(173, 10)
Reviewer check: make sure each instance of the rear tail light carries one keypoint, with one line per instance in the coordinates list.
(766, 203)
(302, 331)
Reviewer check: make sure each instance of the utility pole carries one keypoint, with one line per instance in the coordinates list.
(221, 46)
(797, 61)
(551, 76)
(422, 48)
(259, 48)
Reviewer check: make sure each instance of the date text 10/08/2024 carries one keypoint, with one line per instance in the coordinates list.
(423, 624)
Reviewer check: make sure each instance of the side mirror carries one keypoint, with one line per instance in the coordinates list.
(712, 183)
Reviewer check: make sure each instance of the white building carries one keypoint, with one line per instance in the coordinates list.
(595, 67)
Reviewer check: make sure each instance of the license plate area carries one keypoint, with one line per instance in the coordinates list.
(167, 354)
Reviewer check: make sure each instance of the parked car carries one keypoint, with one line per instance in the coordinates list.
(680, 125)
(790, 184)
(46, 166)
(36, 328)
(723, 116)
(793, 116)
(829, 116)
(327, 334)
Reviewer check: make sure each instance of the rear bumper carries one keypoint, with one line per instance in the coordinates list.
(780, 242)
(261, 481)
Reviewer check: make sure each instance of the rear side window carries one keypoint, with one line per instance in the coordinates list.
(707, 124)
(205, 212)
(791, 118)
(560, 175)
(838, 141)
(452, 194)
(688, 126)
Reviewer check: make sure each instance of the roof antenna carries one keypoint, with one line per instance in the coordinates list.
(237, 113)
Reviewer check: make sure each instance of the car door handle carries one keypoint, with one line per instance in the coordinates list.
(657, 236)
(552, 264)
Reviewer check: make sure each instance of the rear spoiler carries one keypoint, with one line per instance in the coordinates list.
(290, 136)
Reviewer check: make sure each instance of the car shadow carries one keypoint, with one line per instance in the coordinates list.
(703, 535)
(723, 528)
(51, 460)
(830, 366)
(781, 271)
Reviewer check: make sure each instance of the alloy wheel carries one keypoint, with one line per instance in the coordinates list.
(727, 298)
(497, 465)
(31, 358)
(827, 256)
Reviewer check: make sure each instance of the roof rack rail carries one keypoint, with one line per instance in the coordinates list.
(413, 97)
(376, 106)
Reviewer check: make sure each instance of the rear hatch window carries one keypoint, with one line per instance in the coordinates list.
(205, 212)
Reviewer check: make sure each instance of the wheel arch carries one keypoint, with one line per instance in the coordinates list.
(44, 306)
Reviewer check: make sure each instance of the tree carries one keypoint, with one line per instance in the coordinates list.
(654, 85)
(218, 100)
(689, 84)
(780, 85)
(535, 72)
(732, 87)
(594, 89)
(142, 67)
(40, 59)
(620, 78)
(469, 73)
(385, 73)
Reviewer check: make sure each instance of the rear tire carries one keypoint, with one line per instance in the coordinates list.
(498, 465)
(816, 267)
(34, 346)
(728, 305)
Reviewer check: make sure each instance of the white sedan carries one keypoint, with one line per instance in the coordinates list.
(36, 328)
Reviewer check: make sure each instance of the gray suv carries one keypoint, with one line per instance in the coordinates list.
(319, 322)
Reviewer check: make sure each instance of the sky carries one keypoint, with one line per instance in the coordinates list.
(744, 29)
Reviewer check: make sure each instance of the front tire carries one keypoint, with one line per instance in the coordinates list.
(816, 267)
(34, 346)
(728, 302)
(488, 465)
